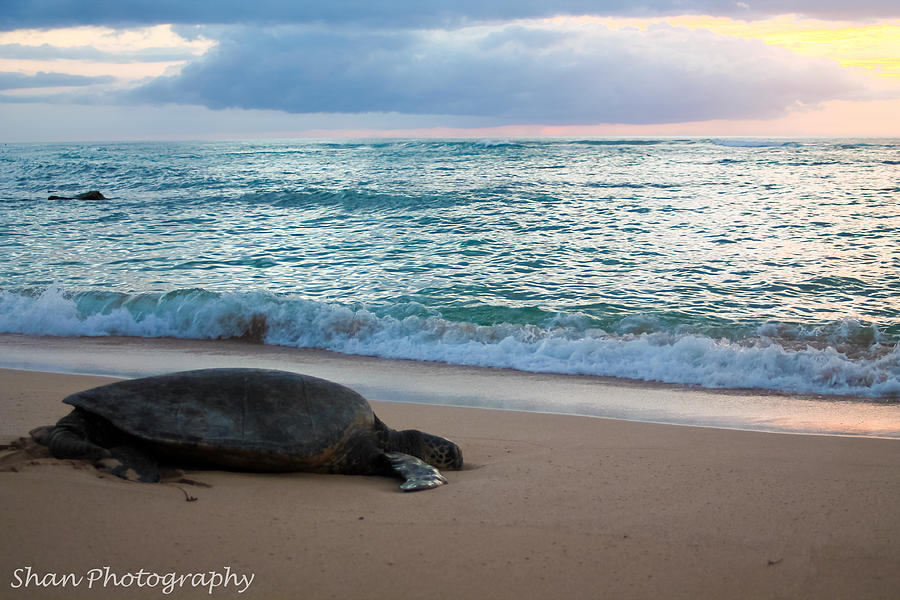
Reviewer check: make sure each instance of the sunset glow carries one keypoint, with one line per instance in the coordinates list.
(870, 46)
(874, 47)
(130, 52)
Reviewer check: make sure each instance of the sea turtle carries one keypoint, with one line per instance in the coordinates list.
(242, 419)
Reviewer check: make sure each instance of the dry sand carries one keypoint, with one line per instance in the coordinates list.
(548, 506)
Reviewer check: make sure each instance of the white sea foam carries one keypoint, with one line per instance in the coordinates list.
(563, 345)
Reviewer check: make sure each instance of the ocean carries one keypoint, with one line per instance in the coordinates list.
(721, 263)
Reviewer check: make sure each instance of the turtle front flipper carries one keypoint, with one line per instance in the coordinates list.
(418, 474)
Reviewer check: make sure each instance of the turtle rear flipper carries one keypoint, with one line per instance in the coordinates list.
(130, 463)
(68, 439)
(418, 474)
(41, 434)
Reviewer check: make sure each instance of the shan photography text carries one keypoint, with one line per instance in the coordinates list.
(105, 577)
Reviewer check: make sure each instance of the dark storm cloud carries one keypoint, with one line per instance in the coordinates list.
(515, 74)
(13, 81)
(395, 14)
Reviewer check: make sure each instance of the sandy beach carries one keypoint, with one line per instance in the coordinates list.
(547, 506)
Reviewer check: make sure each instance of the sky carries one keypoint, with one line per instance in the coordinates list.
(94, 70)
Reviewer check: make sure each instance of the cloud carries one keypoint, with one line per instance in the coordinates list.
(527, 72)
(472, 63)
(12, 81)
(396, 14)
(91, 54)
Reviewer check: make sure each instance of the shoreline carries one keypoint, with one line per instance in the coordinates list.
(435, 383)
(546, 505)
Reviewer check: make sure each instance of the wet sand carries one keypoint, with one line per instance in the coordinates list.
(424, 382)
(548, 505)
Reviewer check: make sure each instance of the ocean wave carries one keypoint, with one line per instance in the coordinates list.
(631, 185)
(778, 357)
(755, 143)
(617, 142)
(487, 143)
(855, 145)
(350, 200)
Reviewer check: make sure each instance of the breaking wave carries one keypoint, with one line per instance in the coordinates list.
(848, 359)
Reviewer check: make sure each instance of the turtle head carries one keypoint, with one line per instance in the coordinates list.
(441, 452)
(436, 451)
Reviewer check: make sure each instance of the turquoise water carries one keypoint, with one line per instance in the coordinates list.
(722, 263)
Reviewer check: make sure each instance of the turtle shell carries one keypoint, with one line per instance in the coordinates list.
(242, 418)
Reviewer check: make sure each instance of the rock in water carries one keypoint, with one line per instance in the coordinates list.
(92, 195)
